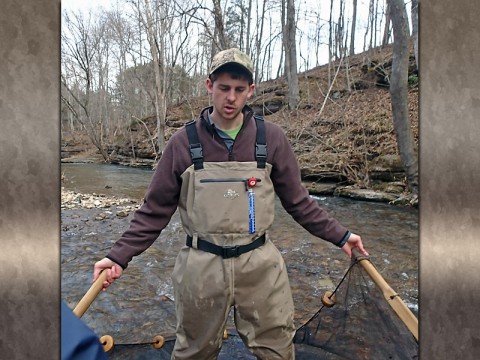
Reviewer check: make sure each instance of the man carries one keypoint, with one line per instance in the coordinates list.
(223, 171)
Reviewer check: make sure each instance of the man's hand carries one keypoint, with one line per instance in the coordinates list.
(354, 241)
(114, 271)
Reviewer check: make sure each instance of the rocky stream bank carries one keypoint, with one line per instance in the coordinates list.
(386, 172)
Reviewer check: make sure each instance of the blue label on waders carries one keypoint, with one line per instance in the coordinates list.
(251, 211)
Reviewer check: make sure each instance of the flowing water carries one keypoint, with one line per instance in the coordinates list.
(139, 305)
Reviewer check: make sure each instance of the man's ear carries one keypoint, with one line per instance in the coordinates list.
(209, 85)
(251, 90)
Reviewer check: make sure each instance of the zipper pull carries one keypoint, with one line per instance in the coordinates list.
(250, 183)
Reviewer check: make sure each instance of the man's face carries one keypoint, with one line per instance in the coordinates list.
(229, 96)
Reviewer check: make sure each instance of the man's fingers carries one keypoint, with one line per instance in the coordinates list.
(112, 275)
(109, 271)
(362, 249)
(359, 244)
(115, 273)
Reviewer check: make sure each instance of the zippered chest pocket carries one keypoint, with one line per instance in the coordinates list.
(228, 204)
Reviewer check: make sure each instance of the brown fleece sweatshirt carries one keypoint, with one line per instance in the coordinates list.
(161, 198)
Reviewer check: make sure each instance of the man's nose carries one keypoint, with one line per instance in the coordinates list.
(231, 95)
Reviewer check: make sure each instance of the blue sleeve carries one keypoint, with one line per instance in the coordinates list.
(78, 341)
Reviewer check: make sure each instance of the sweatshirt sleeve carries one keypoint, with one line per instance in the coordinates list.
(294, 196)
(152, 217)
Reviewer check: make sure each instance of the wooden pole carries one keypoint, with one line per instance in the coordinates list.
(90, 295)
(390, 295)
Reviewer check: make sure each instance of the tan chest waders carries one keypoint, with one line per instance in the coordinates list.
(226, 210)
(227, 204)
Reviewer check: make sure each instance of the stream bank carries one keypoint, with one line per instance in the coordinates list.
(387, 185)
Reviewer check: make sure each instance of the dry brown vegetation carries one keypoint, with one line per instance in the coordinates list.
(338, 137)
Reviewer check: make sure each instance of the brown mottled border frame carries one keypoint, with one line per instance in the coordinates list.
(29, 179)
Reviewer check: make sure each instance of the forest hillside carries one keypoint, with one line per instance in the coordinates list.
(342, 134)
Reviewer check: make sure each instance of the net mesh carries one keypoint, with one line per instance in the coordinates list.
(360, 325)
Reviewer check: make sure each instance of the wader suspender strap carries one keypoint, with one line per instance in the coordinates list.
(196, 151)
(261, 144)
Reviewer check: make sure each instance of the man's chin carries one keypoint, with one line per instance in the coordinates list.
(230, 115)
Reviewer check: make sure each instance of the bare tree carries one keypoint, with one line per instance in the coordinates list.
(157, 50)
(339, 33)
(370, 26)
(249, 25)
(415, 28)
(236, 22)
(399, 92)
(386, 31)
(330, 43)
(375, 24)
(121, 41)
(354, 23)
(290, 46)
(223, 42)
(81, 78)
(258, 43)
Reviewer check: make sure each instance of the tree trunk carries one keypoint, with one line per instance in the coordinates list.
(159, 95)
(399, 92)
(354, 22)
(249, 24)
(219, 26)
(258, 77)
(339, 35)
(415, 29)
(386, 30)
(330, 43)
(375, 24)
(282, 57)
(291, 56)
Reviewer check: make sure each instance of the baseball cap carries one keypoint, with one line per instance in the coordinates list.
(228, 56)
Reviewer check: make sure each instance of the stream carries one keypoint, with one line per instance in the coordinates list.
(140, 305)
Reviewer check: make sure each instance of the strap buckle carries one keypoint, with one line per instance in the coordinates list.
(261, 151)
(196, 151)
(230, 251)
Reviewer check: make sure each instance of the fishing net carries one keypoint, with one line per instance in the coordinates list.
(356, 321)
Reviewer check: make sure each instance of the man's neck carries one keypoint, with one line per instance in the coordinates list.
(223, 124)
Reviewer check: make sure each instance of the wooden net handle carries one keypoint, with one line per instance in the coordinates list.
(90, 295)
